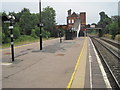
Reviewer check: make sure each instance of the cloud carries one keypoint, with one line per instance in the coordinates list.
(91, 8)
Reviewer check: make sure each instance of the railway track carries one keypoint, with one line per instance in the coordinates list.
(117, 45)
(110, 60)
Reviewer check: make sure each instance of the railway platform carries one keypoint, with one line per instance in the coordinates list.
(71, 64)
(90, 72)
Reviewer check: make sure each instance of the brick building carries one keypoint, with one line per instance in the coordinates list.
(73, 18)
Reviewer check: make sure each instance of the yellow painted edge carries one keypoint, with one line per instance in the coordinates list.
(76, 66)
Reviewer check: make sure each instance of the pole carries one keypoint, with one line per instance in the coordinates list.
(12, 41)
(40, 25)
(60, 37)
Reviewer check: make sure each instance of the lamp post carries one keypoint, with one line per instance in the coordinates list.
(11, 18)
(40, 25)
(60, 33)
(60, 37)
(59, 27)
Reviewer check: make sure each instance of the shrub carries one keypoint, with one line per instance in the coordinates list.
(33, 34)
(16, 32)
(3, 37)
(24, 38)
(107, 36)
(117, 37)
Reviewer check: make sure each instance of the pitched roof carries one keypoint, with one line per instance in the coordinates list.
(73, 15)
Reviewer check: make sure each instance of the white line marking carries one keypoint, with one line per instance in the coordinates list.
(6, 64)
(101, 67)
(90, 62)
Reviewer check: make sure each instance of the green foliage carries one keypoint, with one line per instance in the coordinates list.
(113, 29)
(25, 25)
(33, 34)
(117, 37)
(24, 38)
(104, 20)
(3, 37)
(108, 26)
(16, 31)
(104, 23)
(103, 16)
(34, 20)
(48, 18)
(37, 31)
(108, 36)
(5, 34)
(25, 10)
(45, 34)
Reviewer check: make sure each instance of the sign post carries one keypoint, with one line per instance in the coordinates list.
(40, 25)
(60, 37)
(12, 41)
(11, 18)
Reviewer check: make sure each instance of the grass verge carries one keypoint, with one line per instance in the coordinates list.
(23, 42)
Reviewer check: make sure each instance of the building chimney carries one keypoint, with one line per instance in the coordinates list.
(83, 18)
(69, 12)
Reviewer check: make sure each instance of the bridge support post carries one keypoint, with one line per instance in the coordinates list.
(100, 33)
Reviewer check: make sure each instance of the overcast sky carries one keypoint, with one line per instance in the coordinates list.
(91, 7)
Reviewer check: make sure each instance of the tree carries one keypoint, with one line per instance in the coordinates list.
(33, 34)
(113, 29)
(25, 22)
(48, 18)
(16, 31)
(34, 20)
(37, 31)
(46, 34)
(104, 21)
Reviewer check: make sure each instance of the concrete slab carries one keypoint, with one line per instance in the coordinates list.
(79, 78)
(43, 69)
(96, 79)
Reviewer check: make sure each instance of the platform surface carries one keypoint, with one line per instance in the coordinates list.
(65, 65)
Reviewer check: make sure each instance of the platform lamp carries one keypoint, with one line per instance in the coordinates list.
(58, 27)
(40, 25)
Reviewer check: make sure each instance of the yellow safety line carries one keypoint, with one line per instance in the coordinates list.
(76, 66)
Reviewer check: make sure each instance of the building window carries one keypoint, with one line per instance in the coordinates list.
(72, 20)
(69, 21)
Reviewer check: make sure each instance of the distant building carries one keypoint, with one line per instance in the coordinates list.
(76, 22)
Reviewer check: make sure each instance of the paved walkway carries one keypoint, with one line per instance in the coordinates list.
(50, 68)
(71, 64)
